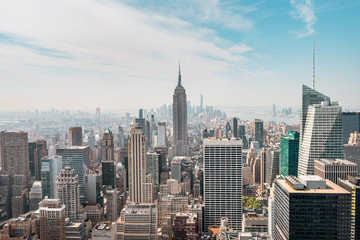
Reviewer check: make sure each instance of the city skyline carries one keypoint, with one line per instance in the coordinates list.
(86, 49)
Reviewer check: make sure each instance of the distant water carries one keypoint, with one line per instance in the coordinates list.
(250, 113)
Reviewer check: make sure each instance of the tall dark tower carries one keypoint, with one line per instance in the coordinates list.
(108, 165)
(180, 120)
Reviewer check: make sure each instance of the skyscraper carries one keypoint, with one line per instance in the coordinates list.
(235, 127)
(50, 169)
(289, 154)
(107, 160)
(309, 97)
(259, 132)
(35, 196)
(161, 139)
(322, 136)
(180, 119)
(77, 158)
(15, 172)
(75, 136)
(52, 219)
(68, 191)
(138, 185)
(334, 169)
(272, 164)
(223, 181)
(310, 208)
(37, 150)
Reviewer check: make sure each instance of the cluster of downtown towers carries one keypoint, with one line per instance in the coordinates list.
(294, 212)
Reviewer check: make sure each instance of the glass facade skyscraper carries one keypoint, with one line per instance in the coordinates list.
(289, 154)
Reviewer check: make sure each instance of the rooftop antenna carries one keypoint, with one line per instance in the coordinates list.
(313, 61)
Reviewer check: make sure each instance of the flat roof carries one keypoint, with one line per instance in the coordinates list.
(336, 162)
(331, 188)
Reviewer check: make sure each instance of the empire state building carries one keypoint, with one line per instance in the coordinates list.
(180, 147)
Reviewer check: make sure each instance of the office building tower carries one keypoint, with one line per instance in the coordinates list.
(255, 169)
(241, 133)
(352, 185)
(228, 131)
(120, 137)
(161, 136)
(68, 191)
(201, 103)
(289, 154)
(272, 164)
(107, 160)
(104, 231)
(180, 120)
(185, 226)
(262, 169)
(75, 136)
(77, 158)
(97, 116)
(15, 171)
(35, 196)
(334, 169)
(310, 208)
(351, 123)
(138, 221)
(141, 123)
(111, 204)
(91, 140)
(37, 150)
(138, 184)
(50, 169)
(322, 136)
(95, 214)
(176, 168)
(223, 181)
(352, 149)
(154, 166)
(235, 127)
(52, 219)
(141, 113)
(259, 132)
(93, 187)
(309, 97)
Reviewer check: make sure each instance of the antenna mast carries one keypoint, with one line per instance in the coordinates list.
(313, 75)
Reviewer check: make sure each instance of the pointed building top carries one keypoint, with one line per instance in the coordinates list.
(133, 122)
(179, 77)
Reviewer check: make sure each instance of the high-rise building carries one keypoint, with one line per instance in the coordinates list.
(93, 186)
(68, 191)
(75, 136)
(111, 205)
(37, 150)
(138, 221)
(289, 154)
(309, 97)
(352, 149)
(353, 186)
(180, 120)
(272, 164)
(235, 127)
(322, 136)
(15, 171)
(310, 208)
(161, 137)
(223, 181)
(176, 168)
(259, 132)
(35, 196)
(77, 158)
(138, 185)
(228, 131)
(107, 160)
(334, 169)
(274, 110)
(262, 169)
(241, 133)
(50, 169)
(52, 219)
(16, 228)
(201, 103)
(351, 123)
(154, 166)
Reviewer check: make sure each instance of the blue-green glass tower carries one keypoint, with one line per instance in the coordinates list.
(289, 154)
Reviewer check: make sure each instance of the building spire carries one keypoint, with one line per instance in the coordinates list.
(313, 76)
(179, 77)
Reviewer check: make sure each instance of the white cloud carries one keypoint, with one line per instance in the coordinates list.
(111, 47)
(304, 10)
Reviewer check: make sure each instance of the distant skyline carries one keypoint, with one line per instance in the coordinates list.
(117, 54)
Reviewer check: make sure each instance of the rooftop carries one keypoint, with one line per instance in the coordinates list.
(331, 188)
(336, 162)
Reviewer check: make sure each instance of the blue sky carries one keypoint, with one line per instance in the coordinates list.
(124, 54)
